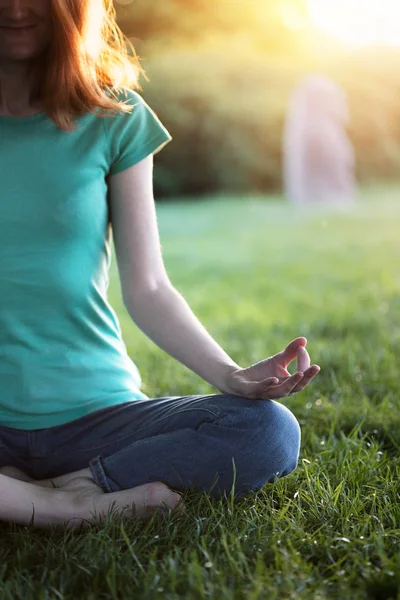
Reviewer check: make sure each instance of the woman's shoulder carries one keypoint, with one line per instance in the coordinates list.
(124, 93)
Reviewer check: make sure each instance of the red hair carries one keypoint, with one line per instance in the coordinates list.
(87, 59)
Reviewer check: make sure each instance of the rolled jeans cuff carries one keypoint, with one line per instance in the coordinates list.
(105, 483)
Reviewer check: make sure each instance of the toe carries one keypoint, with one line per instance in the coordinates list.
(158, 494)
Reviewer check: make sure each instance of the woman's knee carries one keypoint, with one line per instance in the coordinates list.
(268, 439)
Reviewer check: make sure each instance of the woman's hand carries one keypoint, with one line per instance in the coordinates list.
(270, 379)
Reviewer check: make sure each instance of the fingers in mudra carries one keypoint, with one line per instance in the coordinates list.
(290, 385)
(308, 376)
(286, 386)
(270, 391)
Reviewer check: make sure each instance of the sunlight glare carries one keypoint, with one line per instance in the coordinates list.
(358, 22)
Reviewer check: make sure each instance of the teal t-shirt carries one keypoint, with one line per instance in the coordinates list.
(61, 351)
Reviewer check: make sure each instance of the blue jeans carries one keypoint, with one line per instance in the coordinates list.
(185, 442)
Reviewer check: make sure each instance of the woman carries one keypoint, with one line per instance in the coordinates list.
(319, 158)
(72, 414)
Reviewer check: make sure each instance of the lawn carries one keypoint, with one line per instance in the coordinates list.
(258, 273)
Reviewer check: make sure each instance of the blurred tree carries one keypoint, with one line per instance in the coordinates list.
(273, 26)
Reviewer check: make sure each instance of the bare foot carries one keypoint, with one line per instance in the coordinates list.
(15, 473)
(80, 500)
(92, 504)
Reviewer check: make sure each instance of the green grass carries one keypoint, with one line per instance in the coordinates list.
(258, 274)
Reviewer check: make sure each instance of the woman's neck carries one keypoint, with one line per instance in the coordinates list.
(26, 113)
(16, 90)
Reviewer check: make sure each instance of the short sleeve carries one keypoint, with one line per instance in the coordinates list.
(134, 136)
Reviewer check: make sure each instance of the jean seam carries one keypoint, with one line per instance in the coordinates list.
(97, 470)
(179, 413)
(119, 440)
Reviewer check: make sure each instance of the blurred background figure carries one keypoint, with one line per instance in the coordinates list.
(318, 155)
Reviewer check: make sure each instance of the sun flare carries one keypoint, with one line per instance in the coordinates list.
(358, 22)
